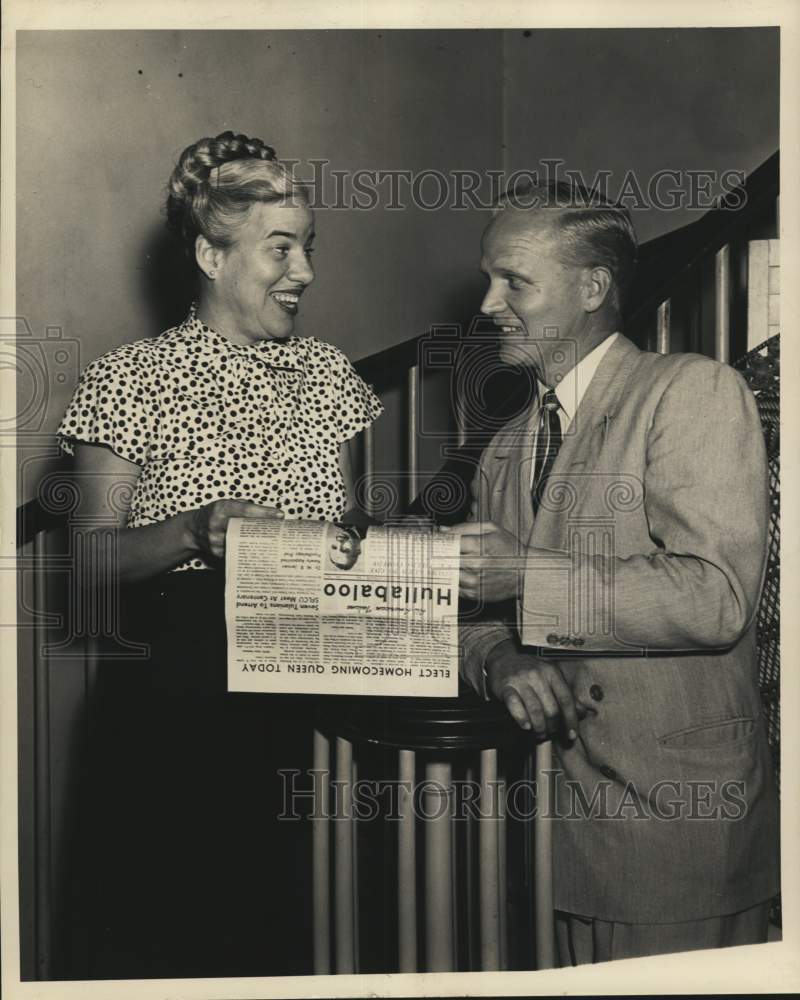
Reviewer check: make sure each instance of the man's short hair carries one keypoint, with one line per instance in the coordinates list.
(593, 232)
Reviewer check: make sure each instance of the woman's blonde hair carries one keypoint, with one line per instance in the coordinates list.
(215, 182)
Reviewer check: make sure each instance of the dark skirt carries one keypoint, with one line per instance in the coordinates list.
(193, 873)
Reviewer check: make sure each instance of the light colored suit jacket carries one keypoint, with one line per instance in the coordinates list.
(653, 536)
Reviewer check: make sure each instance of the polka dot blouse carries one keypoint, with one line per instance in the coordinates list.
(208, 419)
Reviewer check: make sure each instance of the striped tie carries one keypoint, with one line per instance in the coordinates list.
(548, 441)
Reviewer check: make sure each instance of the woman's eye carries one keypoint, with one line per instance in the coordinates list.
(309, 250)
(280, 251)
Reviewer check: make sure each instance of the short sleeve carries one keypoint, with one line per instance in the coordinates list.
(357, 404)
(111, 406)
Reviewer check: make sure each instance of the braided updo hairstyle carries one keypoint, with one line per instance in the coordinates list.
(215, 182)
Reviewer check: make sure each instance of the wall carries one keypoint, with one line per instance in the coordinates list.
(642, 100)
(102, 116)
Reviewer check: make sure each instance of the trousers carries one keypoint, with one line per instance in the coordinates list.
(581, 940)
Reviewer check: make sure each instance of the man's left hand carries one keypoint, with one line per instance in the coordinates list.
(492, 561)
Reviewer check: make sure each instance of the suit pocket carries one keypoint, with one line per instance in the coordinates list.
(718, 735)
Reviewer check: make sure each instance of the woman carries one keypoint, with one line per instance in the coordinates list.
(227, 415)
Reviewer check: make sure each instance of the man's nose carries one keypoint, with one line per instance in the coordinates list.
(493, 302)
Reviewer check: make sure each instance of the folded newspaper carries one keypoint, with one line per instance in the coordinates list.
(314, 608)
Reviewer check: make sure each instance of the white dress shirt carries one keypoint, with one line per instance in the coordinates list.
(570, 391)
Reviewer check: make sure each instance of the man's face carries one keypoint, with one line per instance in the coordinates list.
(343, 549)
(532, 297)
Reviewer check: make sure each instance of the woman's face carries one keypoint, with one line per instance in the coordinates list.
(263, 274)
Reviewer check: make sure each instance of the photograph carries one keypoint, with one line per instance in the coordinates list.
(344, 546)
(393, 411)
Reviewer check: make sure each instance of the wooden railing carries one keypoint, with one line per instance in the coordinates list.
(456, 915)
(693, 285)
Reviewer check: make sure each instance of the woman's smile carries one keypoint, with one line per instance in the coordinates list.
(288, 299)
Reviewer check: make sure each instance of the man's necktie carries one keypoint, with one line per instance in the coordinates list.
(548, 441)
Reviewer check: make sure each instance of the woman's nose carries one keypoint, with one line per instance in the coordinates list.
(301, 271)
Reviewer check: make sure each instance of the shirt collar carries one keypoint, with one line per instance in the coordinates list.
(570, 390)
(275, 353)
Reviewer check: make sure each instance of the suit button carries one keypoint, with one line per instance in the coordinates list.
(609, 772)
(596, 692)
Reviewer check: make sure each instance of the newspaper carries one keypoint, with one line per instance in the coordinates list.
(314, 608)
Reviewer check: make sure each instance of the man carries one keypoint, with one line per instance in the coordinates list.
(625, 513)
(344, 546)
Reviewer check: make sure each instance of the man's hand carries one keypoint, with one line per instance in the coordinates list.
(492, 561)
(533, 690)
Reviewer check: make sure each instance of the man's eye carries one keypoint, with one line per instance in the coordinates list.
(309, 250)
(513, 283)
(280, 251)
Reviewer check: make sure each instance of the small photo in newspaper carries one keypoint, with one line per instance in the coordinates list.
(319, 608)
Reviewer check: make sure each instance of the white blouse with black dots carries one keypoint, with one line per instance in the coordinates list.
(208, 419)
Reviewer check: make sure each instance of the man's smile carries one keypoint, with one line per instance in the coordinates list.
(507, 325)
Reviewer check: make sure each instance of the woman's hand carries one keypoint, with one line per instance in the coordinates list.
(208, 524)
(150, 549)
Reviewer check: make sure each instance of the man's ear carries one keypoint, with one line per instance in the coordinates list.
(209, 258)
(597, 286)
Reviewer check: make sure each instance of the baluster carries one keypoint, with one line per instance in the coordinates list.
(438, 868)
(529, 832)
(343, 858)
(461, 415)
(501, 873)
(413, 454)
(663, 317)
(356, 925)
(757, 292)
(543, 861)
(722, 303)
(454, 880)
(369, 467)
(488, 864)
(695, 314)
(321, 855)
(469, 870)
(407, 865)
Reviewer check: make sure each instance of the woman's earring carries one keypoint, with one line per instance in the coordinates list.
(212, 273)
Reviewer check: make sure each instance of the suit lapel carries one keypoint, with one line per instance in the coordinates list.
(509, 475)
(583, 443)
(523, 465)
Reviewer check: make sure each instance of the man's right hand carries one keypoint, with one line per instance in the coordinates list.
(209, 524)
(533, 690)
